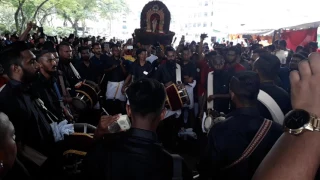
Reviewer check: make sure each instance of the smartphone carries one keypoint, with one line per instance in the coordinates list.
(89, 42)
(129, 47)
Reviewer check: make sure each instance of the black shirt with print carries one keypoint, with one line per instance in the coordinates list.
(138, 71)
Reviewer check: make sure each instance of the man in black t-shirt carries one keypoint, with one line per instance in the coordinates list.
(141, 68)
(135, 154)
(116, 72)
(86, 68)
(268, 67)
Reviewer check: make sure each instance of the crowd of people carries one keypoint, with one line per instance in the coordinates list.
(40, 78)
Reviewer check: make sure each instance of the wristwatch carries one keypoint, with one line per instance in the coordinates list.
(298, 121)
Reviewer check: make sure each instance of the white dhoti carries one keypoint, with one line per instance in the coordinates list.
(189, 89)
(169, 113)
(114, 91)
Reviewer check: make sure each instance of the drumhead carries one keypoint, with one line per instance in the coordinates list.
(78, 103)
(208, 123)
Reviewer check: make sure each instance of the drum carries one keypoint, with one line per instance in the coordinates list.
(212, 117)
(87, 95)
(76, 147)
(177, 96)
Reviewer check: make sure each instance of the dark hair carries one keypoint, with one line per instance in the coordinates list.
(95, 44)
(140, 50)
(75, 43)
(11, 55)
(299, 55)
(83, 48)
(235, 49)
(283, 43)
(313, 44)
(146, 98)
(169, 49)
(254, 47)
(49, 46)
(114, 45)
(299, 48)
(212, 53)
(272, 47)
(268, 66)
(39, 54)
(246, 85)
(260, 51)
(186, 49)
(62, 44)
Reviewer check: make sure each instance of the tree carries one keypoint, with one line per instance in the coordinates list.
(82, 10)
(77, 11)
(25, 10)
(7, 19)
(108, 8)
(71, 11)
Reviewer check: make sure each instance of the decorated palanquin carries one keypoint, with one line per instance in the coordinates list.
(154, 25)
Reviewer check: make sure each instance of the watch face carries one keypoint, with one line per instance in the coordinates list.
(296, 119)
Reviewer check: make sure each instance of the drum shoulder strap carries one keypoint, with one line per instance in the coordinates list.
(178, 73)
(272, 106)
(257, 139)
(210, 89)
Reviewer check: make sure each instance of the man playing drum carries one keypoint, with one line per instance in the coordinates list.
(116, 73)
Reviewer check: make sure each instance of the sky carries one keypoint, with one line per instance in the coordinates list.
(253, 14)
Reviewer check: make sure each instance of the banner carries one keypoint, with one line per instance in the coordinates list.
(300, 37)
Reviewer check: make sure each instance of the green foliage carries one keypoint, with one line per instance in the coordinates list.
(7, 19)
(18, 12)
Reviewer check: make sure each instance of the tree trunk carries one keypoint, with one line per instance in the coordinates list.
(75, 27)
(74, 24)
(38, 8)
(84, 27)
(22, 21)
(16, 15)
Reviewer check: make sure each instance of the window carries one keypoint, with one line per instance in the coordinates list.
(206, 3)
(199, 24)
(211, 24)
(212, 13)
(124, 27)
(205, 14)
(204, 24)
(195, 14)
(194, 24)
(199, 14)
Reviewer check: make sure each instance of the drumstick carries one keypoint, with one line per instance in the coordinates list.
(102, 79)
(105, 111)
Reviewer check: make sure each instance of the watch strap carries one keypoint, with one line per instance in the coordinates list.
(315, 122)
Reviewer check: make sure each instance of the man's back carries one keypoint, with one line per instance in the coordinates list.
(130, 155)
(229, 139)
(280, 96)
